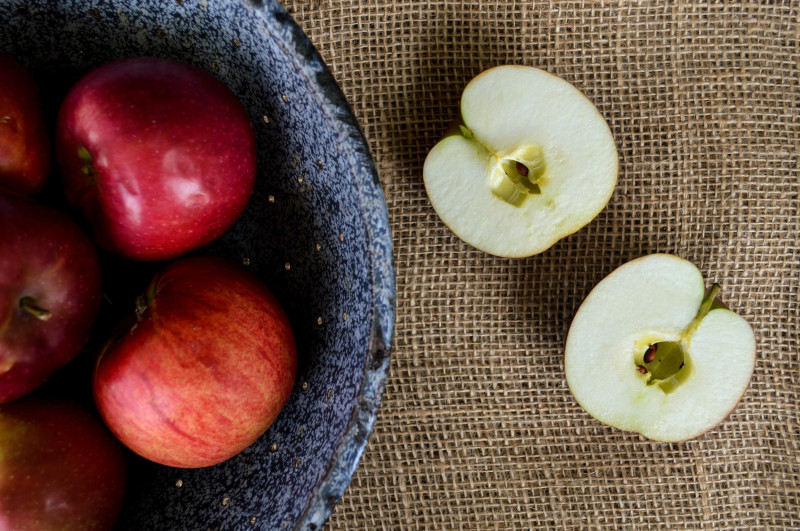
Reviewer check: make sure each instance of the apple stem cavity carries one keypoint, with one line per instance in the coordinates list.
(30, 305)
(86, 167)
(143, 301)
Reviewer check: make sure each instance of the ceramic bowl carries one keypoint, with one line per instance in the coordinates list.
(316, 231)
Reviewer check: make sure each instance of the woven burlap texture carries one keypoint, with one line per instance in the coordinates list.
(477, 428)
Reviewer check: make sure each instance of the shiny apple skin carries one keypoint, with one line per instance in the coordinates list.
(173, 156)
(203, 370)
(60, 468)
(45, 256)
(24, 145)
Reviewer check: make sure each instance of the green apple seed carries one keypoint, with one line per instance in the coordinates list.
(666, 363)
(516, 176)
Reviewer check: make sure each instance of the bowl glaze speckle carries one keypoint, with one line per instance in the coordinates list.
(316, 231)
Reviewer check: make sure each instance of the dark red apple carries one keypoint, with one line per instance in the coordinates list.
(50, 291)
(159, 156)
(202, 370)
(60, 468)
(24, 147)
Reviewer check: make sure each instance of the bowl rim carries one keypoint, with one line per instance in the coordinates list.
(372, 205)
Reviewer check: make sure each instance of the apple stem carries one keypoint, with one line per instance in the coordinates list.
(705, 306)
(141, 306)
(144, 300)
(466, 132)
(29, 305)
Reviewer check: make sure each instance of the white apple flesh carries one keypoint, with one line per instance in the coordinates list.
(533, 162)
(648, 352)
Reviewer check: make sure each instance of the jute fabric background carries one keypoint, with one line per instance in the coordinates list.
(477, 428)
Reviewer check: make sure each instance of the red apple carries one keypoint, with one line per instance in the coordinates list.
(24, 147)
(60, 469)
(203, 370)
(159, 156)
(50, 291)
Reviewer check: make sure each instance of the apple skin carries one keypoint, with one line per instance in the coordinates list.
(171, 154)
(24, 145)
(46, 257)
(203, 368)
(60, 468)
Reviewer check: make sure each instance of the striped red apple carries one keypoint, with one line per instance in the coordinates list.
(203, 367)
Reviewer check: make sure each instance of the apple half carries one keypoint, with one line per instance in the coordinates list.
(531, 162)
(651, 351)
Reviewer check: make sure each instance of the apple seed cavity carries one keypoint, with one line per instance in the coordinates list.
(650, 353)
(516, 177)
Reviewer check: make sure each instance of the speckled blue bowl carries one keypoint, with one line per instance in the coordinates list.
(316, 231)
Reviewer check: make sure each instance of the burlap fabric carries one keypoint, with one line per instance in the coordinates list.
(478, 429)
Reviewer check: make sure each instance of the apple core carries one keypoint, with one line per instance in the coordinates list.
(666, 363)
(516, 176)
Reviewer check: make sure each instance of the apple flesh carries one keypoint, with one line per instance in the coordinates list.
(50, 291)
(24, 146)
(531, 162)
(202, 370)
(158, 156)
(651, 351)
(60, 469)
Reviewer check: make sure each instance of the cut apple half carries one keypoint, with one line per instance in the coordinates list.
(651, 351)
(531, 162)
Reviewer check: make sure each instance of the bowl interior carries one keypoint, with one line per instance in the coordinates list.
(315, 231)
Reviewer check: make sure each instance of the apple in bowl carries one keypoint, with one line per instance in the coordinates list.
(201, 370)
(60, 469)
(24, 145)
(157, 155)
(530, 162)
(50, 292)
(651, 351)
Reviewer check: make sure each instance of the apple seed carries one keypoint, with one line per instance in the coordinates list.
(650, 353)
(521, 169)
